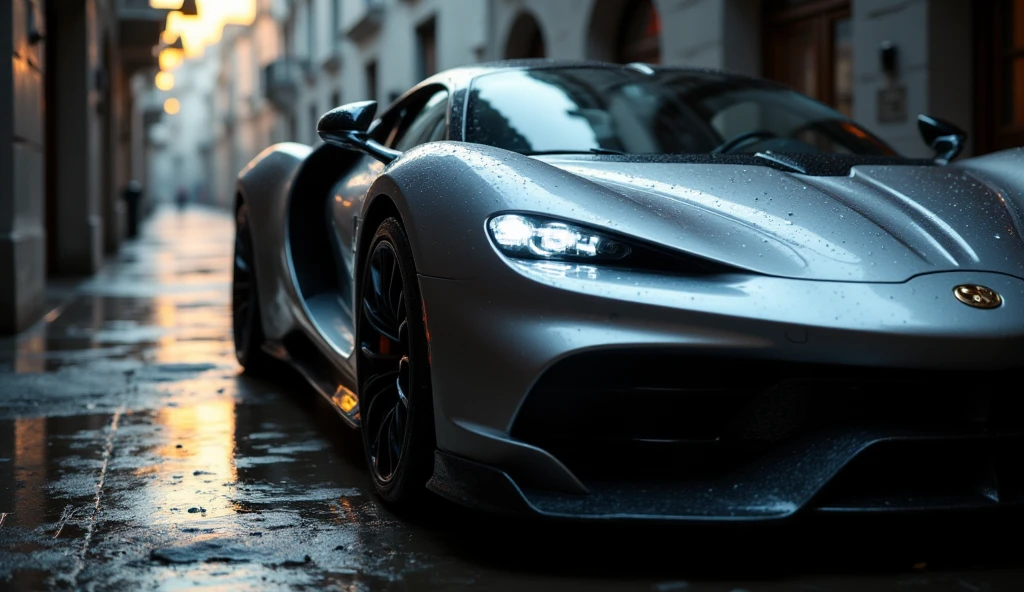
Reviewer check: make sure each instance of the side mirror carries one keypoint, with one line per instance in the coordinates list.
(346, 127)
(946, 139)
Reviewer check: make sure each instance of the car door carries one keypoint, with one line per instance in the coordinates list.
(405, 125)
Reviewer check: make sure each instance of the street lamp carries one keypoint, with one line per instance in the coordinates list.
(171, 56)
(187, 7)
(164, 80)
(204, 26)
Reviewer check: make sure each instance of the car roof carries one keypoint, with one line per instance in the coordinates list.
(462, 76)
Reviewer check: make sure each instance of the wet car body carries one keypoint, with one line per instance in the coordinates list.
(784, 336)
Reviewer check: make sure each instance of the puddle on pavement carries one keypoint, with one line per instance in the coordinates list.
(93, 329)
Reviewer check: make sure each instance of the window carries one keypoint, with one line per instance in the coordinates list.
(314, 118)
(336, 22)
(1011, 64)
(426, 41)
(525, 39)
(371, 81)
(809, 47)
(311, 29)
(999, 99)
(335, 99)
(842, 65)
(429, 124)
(640, 40)
(287, 34)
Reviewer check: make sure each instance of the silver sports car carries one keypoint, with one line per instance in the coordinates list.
(630, 292)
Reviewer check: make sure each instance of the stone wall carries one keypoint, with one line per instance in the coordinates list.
(934, 52)
(22, 154)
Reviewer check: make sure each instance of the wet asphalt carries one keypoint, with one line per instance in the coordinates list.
(134, 455)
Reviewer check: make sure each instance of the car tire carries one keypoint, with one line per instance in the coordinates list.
(395, 397)
(247, 328)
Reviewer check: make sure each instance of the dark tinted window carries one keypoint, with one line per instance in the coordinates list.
(424, 125)
(581, 109)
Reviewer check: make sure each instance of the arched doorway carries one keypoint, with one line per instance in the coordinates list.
(640, 39)
(525, 39)
(625, 31)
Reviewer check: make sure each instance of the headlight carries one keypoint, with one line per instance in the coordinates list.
(538, 238)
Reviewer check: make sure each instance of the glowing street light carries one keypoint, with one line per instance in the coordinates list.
(164, 80)
(170, 58)
(172, 106)
(184, 6)
(205, 28)
(171, 55)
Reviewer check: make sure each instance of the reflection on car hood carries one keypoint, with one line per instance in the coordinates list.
(879, 224)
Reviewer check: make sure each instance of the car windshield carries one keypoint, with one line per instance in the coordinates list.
(624, 110)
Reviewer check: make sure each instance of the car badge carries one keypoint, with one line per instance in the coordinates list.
(978, 296)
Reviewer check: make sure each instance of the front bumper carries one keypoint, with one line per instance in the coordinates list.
(797, 481)
(497, 344)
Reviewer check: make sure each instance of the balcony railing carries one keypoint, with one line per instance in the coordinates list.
(369, 21)
(282, 80)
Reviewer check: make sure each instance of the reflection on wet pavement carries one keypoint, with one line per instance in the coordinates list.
(134, 455)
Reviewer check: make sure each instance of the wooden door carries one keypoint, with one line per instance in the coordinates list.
(809, 47)
(999, 82)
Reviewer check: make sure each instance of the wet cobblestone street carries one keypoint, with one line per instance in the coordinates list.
(134, 455)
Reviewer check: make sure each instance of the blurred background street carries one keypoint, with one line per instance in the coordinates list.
(134, 454)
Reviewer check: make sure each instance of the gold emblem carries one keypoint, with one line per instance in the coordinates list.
(977, 296)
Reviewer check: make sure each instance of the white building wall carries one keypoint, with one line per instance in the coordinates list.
(933, 41)
(461, 37)
(563, 25)
(901, 22)
(703, 33)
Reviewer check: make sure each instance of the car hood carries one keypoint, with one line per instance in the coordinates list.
(878, 224)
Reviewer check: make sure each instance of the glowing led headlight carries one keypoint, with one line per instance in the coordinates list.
(527, 236)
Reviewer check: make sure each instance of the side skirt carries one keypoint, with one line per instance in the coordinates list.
(344, 400)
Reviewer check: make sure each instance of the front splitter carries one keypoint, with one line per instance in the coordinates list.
(782, 486)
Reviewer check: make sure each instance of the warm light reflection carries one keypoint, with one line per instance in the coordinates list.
(206, 434)
(206, 27)
(853, 130)
(206, 326)
(345, 511)
(345, 399)
(165, 314)
(29, 470)
(31, 356)
(164, 80)
(172, 106)
(170, 58)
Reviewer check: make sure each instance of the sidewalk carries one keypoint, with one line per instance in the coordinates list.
(132, 453)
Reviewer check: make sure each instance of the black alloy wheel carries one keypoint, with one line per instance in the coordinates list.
(394, 395)
(247, 328)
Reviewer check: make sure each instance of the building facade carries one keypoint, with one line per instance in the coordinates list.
(70, 139)
(882, 62)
